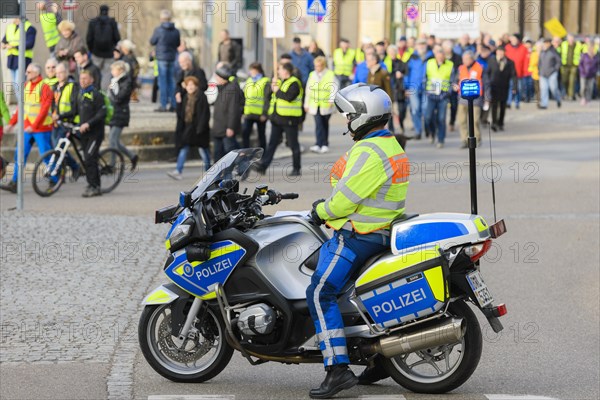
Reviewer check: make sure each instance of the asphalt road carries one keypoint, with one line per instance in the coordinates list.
(546, 269)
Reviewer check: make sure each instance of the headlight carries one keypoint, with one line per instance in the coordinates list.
(180, 234)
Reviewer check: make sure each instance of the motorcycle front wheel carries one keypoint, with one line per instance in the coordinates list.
(444, 368)
(194, 360)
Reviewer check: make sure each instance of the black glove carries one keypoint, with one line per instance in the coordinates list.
(313, 213)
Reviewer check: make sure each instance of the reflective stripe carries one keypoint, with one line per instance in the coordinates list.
(368, 219)
(328, 210)
(317, 293)
(386, 205)
(387, 166)
(329, 334)
(353, 197)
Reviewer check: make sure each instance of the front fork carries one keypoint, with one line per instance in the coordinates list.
(189, 320)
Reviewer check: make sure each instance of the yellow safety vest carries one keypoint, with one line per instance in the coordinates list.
(360, 56)
(564, 52)
(254, 92)
(51, 35)
(320, 92)
(50, 81)
(32, 103)
(287, 108)
(343, 63)
(370, 184)
(12, 37)
(387, 61)
(64, 101)
(407, 53)
(438, 78)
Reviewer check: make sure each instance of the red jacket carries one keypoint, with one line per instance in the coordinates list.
(520, 56)
(45, 103)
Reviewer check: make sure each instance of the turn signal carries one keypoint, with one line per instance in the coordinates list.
(476, 251)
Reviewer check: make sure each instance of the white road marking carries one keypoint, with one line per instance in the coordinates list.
(382, 397)
(516, 397)
(192, 397)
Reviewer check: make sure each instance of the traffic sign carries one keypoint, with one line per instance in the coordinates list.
(316, 7)
(70, 5)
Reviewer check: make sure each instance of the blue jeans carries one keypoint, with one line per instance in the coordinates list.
(529, 93)
(59, 133)
(166, 83)
(223, 145)
(42, 139)
(183, 154)
(322, 128)
(547, 85)
(435, 116)
(339, 259)
(418, 102)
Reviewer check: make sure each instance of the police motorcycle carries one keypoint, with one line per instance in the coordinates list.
(238, 279)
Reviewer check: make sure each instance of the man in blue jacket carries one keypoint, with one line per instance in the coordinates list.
(302, 60)
(166, 39)
(413, 83)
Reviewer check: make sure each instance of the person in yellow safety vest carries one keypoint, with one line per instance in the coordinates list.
(404, 52)
(10, 42)
(37, 119)
(63, 106)
(360, 52)
(439, 75)
(570, 54)
(381, 51)
(369, 184)
(285, 113)
(318, 102)
(257, 92)
(49, 19)
(344, 61)
(50, 68)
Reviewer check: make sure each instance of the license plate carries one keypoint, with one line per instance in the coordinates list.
(482, 294)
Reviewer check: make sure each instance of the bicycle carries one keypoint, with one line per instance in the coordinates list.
(52, 172)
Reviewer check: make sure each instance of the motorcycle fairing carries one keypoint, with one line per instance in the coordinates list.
(200, 277)
(442, 229)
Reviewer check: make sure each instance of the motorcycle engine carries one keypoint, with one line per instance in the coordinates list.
(258, 319)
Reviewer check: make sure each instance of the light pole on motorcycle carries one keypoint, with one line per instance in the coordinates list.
(470, 89)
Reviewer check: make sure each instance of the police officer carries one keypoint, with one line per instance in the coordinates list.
(286, 114)
(369, 189)
(92, 111)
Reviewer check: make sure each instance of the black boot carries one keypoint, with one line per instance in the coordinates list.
(339, 377)
(372, 374)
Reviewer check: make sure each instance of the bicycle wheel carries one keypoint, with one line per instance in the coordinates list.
(48, 176)
(112, 167)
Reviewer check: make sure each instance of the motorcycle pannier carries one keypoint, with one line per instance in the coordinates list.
(400, 288)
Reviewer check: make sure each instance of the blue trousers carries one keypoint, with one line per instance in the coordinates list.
(435, 117)
(418, 102)
(166, 83)
(42, 139)
(183, 154)
(322, 128)
(339, 258)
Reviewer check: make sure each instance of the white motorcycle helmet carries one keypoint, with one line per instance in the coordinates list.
(365, 107)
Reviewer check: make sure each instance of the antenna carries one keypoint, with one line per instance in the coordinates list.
(493, 180)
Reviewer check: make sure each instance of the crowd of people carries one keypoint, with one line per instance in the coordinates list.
(421, 75)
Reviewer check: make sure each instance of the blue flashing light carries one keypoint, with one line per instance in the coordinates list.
(470, 89)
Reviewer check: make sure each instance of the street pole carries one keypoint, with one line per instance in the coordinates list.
(472, 142)
(21, 100)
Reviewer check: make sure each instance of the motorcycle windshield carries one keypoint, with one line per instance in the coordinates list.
(233, 165)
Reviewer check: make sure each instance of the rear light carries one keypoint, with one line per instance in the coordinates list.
(499, 310)
(476, 251)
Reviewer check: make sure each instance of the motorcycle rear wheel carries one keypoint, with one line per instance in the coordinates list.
(179, 362)
(459, 360)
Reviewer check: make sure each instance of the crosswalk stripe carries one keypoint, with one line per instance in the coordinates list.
(517, 397)
(382, 397)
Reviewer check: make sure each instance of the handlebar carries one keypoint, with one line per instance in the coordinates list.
(74, 128)
(289, 196)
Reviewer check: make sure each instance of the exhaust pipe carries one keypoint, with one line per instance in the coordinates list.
(449, 330)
